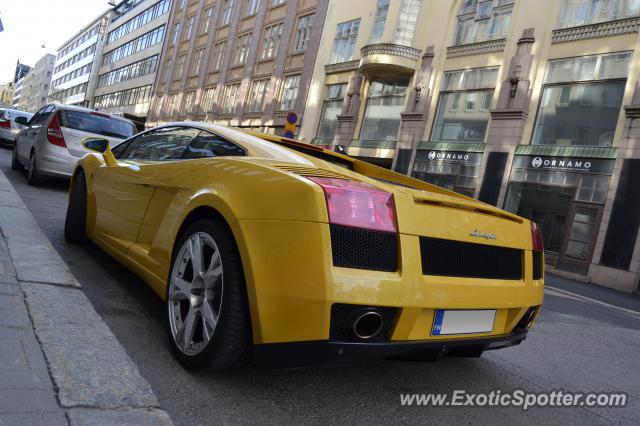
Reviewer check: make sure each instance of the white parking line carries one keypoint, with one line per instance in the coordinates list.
(554, 291)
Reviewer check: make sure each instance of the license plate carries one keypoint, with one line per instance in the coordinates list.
(463, 321)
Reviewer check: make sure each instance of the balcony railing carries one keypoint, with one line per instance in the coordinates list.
(591, 31)
(357, 143)
(341, 67)
(390, 49)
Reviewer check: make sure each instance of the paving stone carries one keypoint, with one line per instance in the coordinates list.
(42, 418)
(140, 417)
(27, 400)
(22, 363)
(88, 365)
(13, 312)
(40, 263)
(9, 289)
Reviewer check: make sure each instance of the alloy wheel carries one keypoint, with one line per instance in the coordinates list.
(195, 293)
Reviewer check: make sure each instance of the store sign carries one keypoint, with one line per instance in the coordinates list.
(561, 163)
(453, 156)
(564, 164)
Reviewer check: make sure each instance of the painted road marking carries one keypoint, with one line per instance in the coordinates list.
(554, 291)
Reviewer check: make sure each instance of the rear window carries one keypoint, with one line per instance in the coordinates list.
(98, 124)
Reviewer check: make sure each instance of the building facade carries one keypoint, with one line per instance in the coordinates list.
(17, 94)
(245, 63)
(7, 94)
(530, 106)
(129, 60)
(77, 64)
(21, 71)
(35, 85)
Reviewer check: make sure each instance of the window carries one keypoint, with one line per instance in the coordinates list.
(218, 55)
(250, 7)
(582, 12)
(189, 98)
(207, 18)
(136, 45)
(229, 100)
(345, 41)
(135, 96)
(96, 124)
(303, 33)
(208, 98)
(581, 100)
(378, 23)
(271, 41)
(180, 67)
(407, 20)
(188, 29)
(259, 89)
(144, 67)
(277, 2)
(165, 143)
(207, 145)
(241, 50)
(385, 102)
(483, 20)
(290, 92)
(463, 107)
(330, 110)
(227, 10)
(138, 21)
(176, 32)
(196, 61)
(167, 70)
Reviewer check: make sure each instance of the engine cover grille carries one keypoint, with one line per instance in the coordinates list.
(468, 260)
(364, 249)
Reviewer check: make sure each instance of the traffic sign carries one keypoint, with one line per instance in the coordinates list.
(292, 118)
(288, 134)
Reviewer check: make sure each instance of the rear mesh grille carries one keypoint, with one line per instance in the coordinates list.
(537, 265)
(468, 260)
(364, 249)
(343, 316)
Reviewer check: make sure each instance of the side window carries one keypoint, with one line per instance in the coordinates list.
(41, 116)
(209, 145)
(168, 143)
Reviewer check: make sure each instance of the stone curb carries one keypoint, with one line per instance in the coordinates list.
(95, 380)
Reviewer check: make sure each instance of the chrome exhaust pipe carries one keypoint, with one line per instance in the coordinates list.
(367, 324)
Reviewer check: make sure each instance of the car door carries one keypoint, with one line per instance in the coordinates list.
(122, 192)
(28, 136)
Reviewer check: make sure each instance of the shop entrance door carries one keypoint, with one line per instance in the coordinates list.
(580, 238)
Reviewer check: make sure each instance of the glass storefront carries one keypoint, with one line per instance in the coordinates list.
(565, 197)
(453, 170)
(385, 102)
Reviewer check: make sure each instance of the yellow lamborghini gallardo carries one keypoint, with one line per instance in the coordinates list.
(272, 250)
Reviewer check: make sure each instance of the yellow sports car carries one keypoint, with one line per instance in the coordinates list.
(273, 250)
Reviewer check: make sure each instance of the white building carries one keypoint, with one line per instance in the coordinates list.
(77, 64)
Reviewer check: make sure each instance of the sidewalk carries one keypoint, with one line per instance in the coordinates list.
(59, 362)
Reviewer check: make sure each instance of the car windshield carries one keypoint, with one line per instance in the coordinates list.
(97, 124)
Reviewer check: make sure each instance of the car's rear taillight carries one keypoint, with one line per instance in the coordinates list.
(6, 124)
(54, 133)
(536, 237)
(358, 204)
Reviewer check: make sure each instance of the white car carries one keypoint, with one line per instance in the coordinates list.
(54, 138)
(8, 126)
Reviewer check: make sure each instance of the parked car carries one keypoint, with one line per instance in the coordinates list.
(8, 126)
(268, 248)
(53, 140)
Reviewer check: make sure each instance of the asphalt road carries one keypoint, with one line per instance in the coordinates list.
(577, 345)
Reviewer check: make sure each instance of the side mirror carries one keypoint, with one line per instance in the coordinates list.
(22, 120)
(96, 144)
(102, 146)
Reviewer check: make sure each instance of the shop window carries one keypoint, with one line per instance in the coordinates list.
(385, 102)
(473, 89)
(581, 101)
(593, 189)
(483, 20)
(582, 12)
(331, 108)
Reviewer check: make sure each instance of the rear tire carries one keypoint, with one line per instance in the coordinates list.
(75, 225)
(206, 307)
(34, 178)
(15, 163)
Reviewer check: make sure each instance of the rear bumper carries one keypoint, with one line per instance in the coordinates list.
(316, 353)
